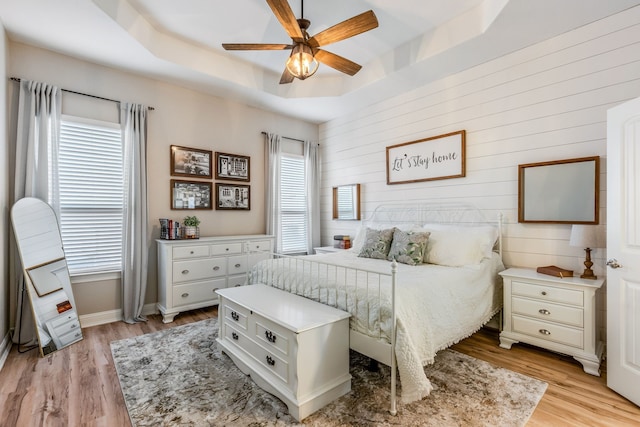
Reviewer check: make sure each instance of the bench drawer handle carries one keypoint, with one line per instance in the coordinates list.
(270, 361)
(271, 337)
(234, 336)
(235, 316)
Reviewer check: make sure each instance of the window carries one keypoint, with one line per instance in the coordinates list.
(293, 204)
(91, 176)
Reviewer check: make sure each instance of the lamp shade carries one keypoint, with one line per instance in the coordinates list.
(584, 236)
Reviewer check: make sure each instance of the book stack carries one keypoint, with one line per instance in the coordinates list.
(341, 241)
(169, 229)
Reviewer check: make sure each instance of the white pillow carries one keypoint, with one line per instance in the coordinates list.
(455, 245)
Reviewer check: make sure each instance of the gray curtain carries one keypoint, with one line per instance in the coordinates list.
(36, 175)
(312, 184)
(133, 119)
(273, 188)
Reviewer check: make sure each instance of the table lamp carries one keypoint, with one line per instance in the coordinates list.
(585, 236)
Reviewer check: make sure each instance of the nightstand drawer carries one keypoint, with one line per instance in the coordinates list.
(548, 311)
(549, 331)
(548, 293)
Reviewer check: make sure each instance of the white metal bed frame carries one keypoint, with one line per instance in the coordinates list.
(377, 347)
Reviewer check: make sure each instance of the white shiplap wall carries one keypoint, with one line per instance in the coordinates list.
(545, 102)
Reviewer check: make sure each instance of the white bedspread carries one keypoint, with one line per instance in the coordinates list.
(436, 306)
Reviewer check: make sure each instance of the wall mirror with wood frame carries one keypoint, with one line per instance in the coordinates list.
(560, 191)
(346, 202)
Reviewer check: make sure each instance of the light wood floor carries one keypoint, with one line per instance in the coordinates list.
(78, 386)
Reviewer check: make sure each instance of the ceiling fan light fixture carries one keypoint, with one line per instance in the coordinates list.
(301, 63)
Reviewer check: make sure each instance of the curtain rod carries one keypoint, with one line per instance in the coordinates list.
(16, 79)
(293, 139)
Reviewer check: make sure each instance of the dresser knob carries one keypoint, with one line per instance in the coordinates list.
(185, 271)
(544, 292)
(544, 332)
(234, 336)
(191, 252)
(237, 265)
(185, 295)
(227, 249)
(216, 268)
(544, 311)
(270, 361)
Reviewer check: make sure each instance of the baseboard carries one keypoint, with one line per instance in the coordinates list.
(5, 349)
(104, 317)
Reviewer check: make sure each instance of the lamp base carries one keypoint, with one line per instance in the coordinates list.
(588, 272)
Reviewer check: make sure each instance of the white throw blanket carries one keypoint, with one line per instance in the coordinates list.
(436, 306)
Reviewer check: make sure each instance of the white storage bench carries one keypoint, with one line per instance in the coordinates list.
(292, 347)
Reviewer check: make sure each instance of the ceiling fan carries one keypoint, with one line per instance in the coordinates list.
(306, 53)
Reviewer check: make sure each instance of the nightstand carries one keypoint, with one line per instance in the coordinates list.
(555, 313)
(327, 250)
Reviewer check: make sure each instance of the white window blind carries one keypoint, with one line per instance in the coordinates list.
(91, 194)
(293, 205)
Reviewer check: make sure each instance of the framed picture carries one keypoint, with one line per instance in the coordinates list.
(190, 195)
(232, 166)
(230, 196)
(190, 162)
(438, 157)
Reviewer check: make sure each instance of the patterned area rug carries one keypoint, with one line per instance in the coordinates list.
(179, 377)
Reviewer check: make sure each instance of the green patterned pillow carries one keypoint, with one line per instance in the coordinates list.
(408, 247)
(376, 243)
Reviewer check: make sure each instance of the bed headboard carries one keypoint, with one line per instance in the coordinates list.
(442, 213)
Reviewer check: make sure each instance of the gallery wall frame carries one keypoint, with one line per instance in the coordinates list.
(189, 195)
(233, 197)
(190, 162)
(233, 167)
(428, 159)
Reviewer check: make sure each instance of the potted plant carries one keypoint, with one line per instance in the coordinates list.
(191, 224)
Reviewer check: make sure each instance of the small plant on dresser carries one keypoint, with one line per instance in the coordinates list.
(191, 224)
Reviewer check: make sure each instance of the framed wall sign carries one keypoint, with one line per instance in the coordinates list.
(232, 167)
(230, 196)
(438, 157)
(560, 191)
(190, 195)
(190, 162)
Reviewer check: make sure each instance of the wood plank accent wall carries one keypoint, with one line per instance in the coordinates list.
(545, 102)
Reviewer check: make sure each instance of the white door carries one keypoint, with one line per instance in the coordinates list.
(623, 250)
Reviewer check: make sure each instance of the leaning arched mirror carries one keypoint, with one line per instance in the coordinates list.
(346, 202)
(45, 274)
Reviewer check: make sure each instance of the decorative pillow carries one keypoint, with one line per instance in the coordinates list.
(480, 239)
(376, 243)
(408, 247)
(358, 241)
(455, 248)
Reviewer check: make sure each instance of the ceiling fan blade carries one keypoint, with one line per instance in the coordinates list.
(255, 46)
(287, 19)
(351, 27)
(337, 62)
(286, 77)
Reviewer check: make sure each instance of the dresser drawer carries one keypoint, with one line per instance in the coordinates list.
(548, 311)
(226, 249)
(237, 264)
(271, 336)
(186, 252)
(70, 337)
(186, 271)
(548, 331)
(235, 315)
(548, 293)
(197, 292)
(66, 317)
(260, 245)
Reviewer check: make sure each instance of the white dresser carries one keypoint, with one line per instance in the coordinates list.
(293, 347)
(64, 328)
(555, 313)
(190, 271)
